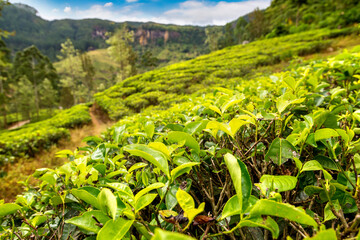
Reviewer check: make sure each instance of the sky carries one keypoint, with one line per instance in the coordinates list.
(180, 12)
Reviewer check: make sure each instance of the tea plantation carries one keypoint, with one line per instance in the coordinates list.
(268, 157)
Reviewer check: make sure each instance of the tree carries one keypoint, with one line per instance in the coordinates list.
(148, 60)
(257, 25)
(71, 70)
(5, 66)
(213, 34)
(89, 70)
(48, 95)
(31, 64)
(121, 52)
(24, 97)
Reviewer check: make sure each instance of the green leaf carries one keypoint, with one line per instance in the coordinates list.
(231, 208)
(37, 220)
(241, 179)
(185, 200)
(119, 133)
(182, 169)
(280, 151)
(216, 126)
(124, 192)
(231, 103)
(114, 230)
(267, 223)
(149, 129)
(143, 201)
(314, 165)
(8, 208)
(165, 235)
(160, 147)
(278, 183)
(195, 127)
(148, 189)
(284, 210)
(325, 133)
(137, 166)
(328, 214)
(182, 136)
(87, 221)
(107, 202)
(86, 197)
(155, 157)
(328, 234)
(192, 213)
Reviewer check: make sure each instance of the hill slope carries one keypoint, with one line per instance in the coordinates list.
(89, 34)
(221, 68)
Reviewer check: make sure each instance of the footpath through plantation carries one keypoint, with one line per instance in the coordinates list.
(271, 157)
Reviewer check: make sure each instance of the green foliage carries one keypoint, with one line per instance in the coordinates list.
(168, 85)
(293, 169)
(31, 138)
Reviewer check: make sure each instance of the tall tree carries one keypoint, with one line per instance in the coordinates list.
(35, 67)
(257, 25)
(121, 52)
(89, 70)
(5, 66)
(213, 34)
(71, 70)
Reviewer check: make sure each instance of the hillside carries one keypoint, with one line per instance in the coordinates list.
(171, 84)
(89, 34)
(270, 156)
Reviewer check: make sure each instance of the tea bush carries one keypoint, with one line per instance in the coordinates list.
(224, 67)
(31, 138)
(273, 157)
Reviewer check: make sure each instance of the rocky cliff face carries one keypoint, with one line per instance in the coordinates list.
(145, 36)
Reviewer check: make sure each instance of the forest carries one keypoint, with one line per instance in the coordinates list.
(249, 130)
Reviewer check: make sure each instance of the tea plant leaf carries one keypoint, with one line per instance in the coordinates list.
(160, 147)
(149, 129)
(107, 202)
(114, 229)
(166, 235)
(148, 189)
(216, 126)
(231, 103)
(182, 136)
(182, 169)
(143, 201)
(185, 200)
(155, 157)
(137, 166)
(195, 127)
(278, 183)
(86, 197)
(325, 133)
(87, 222)
(231, 208)
(314, 165)
(280, 151)
(241, 179)
(328, 234)
(284, 210)
(267, 223)
(8, 208)
(119, 133)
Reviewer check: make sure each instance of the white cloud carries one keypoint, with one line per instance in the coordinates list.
(109, 4)
(55, 10)
(131, 1)
(191, 12)
(67, 9)
(205, 13)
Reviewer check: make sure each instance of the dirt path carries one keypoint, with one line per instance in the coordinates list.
(23, 168)
(18, 124)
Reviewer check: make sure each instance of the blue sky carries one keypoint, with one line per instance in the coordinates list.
(190, 12)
